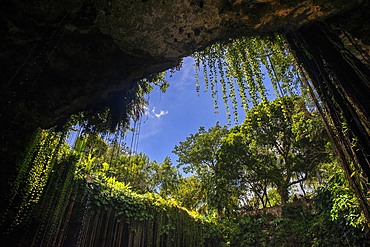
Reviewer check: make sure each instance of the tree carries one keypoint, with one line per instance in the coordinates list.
(97, 158)
(190, 194)
(91, 144)
(136, 170)
(166, 178)
(250, 181)
(198, 155)
(280, 143)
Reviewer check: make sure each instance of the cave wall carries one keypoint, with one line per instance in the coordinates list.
(62, 57)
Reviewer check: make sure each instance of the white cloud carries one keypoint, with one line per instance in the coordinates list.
(154, 125)
(160, 114)
(153, 114)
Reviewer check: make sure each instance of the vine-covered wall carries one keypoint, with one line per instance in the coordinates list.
(54, 204)
(168, 228)
(116, 216)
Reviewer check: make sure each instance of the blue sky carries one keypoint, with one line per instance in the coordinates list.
(175, 114)
(180, 111)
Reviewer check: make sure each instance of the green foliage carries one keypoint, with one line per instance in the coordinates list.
(190, 194)
(53, 210)
(140, 192)
(166, 178)
(114, 161)
(240, 67)
(157, 80)
(332, 218)
(34, 169)
(169, 218)
(159, 208)
(279, 144)
(344, 203)
(131, 206)
(128, 105)
(135, 170)
(301, 224)
(197, 155)
(50, 208)
(132, 185)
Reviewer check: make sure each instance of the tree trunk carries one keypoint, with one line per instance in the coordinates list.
(284, 194)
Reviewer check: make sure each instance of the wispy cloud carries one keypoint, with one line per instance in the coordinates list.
(154, 114)
(149, 129)
(187, 75)
(152, 123)
(160, 114)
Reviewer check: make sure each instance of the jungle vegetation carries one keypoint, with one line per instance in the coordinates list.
(274, 179)
(261, 183)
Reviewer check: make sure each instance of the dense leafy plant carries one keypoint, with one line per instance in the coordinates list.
(300, 224)
(197, 154)
(159, 214)
(241, 65)
(128, 105)
(83, 177)
(279, 144)
(342, 200)
(138, 190)
(34, 169)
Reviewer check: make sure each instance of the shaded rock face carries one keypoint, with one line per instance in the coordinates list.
(62, 57)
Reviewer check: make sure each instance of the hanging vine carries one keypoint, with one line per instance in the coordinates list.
(242, 64)
(339, 80)
(34, 170)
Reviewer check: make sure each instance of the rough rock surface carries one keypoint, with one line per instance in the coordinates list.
(61, 57)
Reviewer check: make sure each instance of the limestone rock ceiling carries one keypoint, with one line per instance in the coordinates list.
(60, 57)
